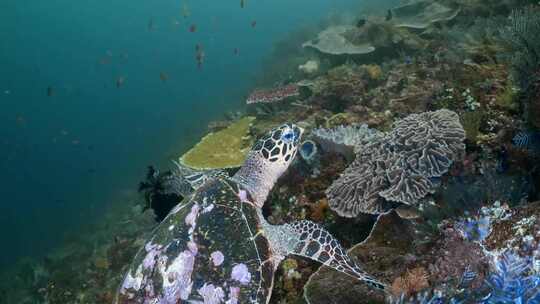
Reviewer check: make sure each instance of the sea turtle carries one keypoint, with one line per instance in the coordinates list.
(216, 247)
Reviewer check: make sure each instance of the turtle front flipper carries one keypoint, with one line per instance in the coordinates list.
(184, 181)
(310, 240)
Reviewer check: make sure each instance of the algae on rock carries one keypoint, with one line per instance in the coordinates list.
(223, 149)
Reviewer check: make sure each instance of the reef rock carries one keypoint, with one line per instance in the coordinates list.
(223, 149)
(382, 254)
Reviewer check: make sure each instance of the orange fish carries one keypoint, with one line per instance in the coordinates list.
(192, 28)
(163, 76)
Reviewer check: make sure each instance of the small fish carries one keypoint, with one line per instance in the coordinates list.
(151, 25)
(21, 121)
(75, 142)
(242, 3)
(407, 212)
(502, 164)
(361, 22)
(109, 53)
(7, 92)
(64, 132)
(185, 11)
(163, 76)
(120, 81)
(50, 91)
(253, 23)
(236, 51)
(389, 15)
(408, 60)
(199, 55)
(200, 58)
(104, 61)
(192, 28)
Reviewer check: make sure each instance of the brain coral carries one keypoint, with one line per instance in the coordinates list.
(399, 167)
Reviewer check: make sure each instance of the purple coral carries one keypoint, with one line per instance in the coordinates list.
(399, 167)
(241, 274)
(217, 258)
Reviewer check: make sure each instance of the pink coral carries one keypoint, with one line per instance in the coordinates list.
(217, 258)
(273, 95)
(241, 274)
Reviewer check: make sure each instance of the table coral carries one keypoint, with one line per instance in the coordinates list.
(224, 149)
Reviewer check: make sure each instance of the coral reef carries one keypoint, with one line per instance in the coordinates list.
(399, 166)
(224, 149)
(420, 14)
(468, 74)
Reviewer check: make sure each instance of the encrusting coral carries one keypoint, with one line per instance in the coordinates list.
(224, 149)
(399, 167)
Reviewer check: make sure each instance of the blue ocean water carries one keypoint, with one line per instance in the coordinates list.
(84, 110)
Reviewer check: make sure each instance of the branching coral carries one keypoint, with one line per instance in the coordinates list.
(400, 166)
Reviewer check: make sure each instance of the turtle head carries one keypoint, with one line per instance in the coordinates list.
(279, 146)
(269, 158)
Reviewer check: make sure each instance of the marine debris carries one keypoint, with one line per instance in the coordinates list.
(400, 166)
(223, 149)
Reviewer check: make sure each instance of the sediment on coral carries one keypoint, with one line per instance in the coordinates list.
(400, 166)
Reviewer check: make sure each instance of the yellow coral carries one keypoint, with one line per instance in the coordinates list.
(223, 149)
(373, 71)
(101, 263)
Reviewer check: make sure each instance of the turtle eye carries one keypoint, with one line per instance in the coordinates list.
(288, 136)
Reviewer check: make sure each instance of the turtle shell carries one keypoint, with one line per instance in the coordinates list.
(209, 249)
